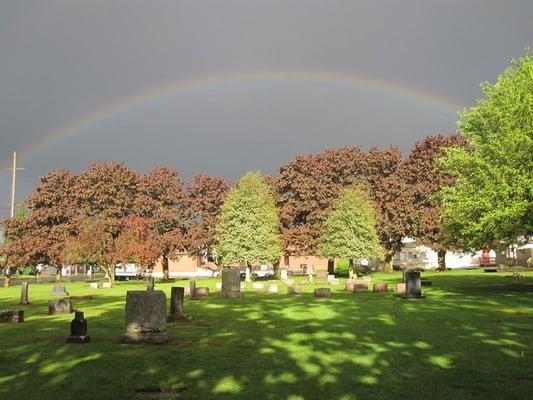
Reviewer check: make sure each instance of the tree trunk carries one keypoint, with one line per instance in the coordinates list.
(164, 264)
(441, 254)
(388, 262)
(331, 267)
(59, 277)
(276, 269)
(248, 279)
(350, 268)
(109, 274)
(6, 280)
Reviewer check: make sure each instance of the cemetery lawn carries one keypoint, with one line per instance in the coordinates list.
(470, 338)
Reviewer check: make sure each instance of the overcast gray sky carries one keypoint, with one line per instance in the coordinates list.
(227, 86)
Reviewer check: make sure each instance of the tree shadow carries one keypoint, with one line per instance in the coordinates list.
(468, 339)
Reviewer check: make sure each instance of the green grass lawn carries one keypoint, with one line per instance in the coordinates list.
(470, 338)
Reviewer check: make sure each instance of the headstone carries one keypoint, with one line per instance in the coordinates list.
(150, 283)
(272, 288)
(284, 274)
(60, 306)
(258, 285)
(380, 287)
(322, 292)
(93, 285)
(24, 293)
(310, 277)
(350, 284)
(192, 290)
(231, 283)
(106, 285)
(13, 316)
(187, 291)
(59, 290)
(360, 287)
(413, 286)
(218, 285)
(202, 292)
(400, 287)
(78, 329)
(176, 304)
(293, 290)
(146, 319)
(331, 279)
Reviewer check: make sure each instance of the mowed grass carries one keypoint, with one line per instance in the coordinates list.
(470, 338)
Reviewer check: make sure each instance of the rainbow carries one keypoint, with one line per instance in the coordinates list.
(167, 89)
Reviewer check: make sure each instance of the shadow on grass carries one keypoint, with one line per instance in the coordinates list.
(470, 338)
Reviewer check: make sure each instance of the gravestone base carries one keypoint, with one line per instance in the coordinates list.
(13, 316)
(61, 306)
(145, 337)
(231, 295)
(78, 339)
(322, 292)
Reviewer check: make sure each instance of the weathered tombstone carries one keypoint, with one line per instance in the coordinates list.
(258, 285)
(293, 290)
(331, 279)
(150, 283)
(24, 293)
(106, 285)
(413, 286)
(310, 277)
(380, 287)
(202, 292)
(272, 288)
(146, 319)
(284, 274)
(13, 316)
(360, 287)
(192, 290)
(60, 306)
(78, 329)
(59, 290)
(218, 285)
(400, 287)
(231, 283)
(176, 304)
(93, 285)
(350, 284)
(322, 292)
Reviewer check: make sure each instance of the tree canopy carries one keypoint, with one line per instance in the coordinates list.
(350, 228)
(491, 201)
(248, 226)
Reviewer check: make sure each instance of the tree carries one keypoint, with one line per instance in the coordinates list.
(491, 201)
(206, 195)
(424, 179)
(138, 242)
(309, 186)
(163, 200)
(350, 229)
(40, 236)
(106, 194)
(248, 226)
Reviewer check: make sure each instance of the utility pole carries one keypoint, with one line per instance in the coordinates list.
(14, 183)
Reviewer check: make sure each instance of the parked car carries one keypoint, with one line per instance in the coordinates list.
(127, 272)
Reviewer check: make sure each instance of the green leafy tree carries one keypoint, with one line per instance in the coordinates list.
(350, 229)
(248, 225)
(491, 201)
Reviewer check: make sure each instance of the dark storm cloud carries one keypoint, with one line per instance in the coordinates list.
(64, 59)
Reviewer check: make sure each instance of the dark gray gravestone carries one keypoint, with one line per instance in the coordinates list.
(146, 317)
(78, 329)
(14, 316)
(150, 284)
(413, 287)
(24, 293)
(59, 290)
(231, 283)
(192, 290)
(176, 304)
(61, 306)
